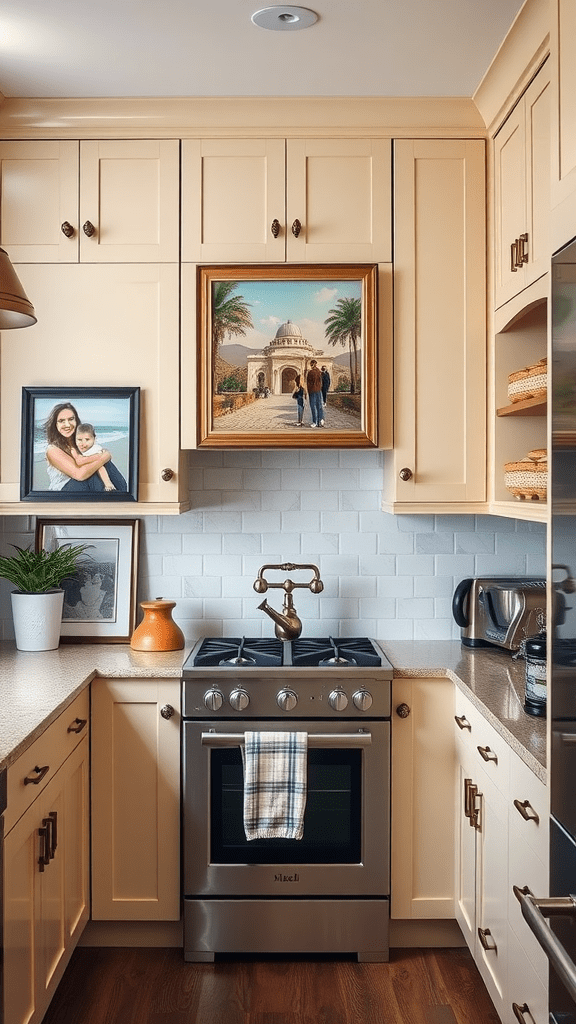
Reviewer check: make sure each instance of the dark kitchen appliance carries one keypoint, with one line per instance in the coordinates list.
(553, 919)
(500, 611)
(328, 892)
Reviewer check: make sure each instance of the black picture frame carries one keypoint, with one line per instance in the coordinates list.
(114, 414)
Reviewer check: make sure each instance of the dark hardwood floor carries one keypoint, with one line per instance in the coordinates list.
(155, 986)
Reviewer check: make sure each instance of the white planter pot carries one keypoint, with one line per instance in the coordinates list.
(37, 620)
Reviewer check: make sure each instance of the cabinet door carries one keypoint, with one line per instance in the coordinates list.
(233, 190)
(135, 800)
(440, 335)
(492, 890)
(422, 883)
(129, 193)
(38, 195)
(126, 317)
(563, 50)
(46, 890)
(522, 192)
(339, 192)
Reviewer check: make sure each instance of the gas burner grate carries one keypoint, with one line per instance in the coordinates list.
(353, 650)
(216, 650)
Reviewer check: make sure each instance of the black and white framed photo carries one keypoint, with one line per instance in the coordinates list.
(100, 601)
(80, 444)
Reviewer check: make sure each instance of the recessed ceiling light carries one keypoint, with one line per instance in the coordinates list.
(284, 19)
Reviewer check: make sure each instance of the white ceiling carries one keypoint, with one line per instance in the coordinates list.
(107, 48)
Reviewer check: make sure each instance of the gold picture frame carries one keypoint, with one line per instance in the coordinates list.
(260, 328)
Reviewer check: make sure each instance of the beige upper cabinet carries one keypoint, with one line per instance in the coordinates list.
(101, 326)
(522, 192)
(563, 50)
(93, 201)
(295, 200)
(439, 457)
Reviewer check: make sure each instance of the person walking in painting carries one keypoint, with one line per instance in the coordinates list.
(314, 388)
(299, 394)
(67, 469)
(325, 384)
(87, 445)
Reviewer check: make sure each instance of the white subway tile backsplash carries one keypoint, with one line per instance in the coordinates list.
(386, 576)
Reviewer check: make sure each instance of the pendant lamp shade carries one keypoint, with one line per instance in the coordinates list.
(16, 310)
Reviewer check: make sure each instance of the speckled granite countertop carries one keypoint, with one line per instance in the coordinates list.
(36, 687)
(491, 679)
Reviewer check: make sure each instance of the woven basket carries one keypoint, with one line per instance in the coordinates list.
(528, 479)
(531, 382)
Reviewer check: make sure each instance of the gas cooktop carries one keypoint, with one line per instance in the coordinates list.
(236, 652)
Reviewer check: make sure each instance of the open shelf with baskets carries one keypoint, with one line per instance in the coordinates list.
(519, 422)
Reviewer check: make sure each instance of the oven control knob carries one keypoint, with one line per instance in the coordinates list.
(338, 700)
(239, 699)
(286, 700)
(362, 700)
(213, 699)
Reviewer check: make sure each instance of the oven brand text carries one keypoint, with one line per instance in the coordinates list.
(287, 878)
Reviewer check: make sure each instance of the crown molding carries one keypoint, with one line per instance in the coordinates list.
(240, 116)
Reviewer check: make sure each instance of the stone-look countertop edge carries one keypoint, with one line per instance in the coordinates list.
(491, 679)
(35, 688)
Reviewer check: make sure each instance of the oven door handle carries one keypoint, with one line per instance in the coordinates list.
(322, 739)
(535, 912)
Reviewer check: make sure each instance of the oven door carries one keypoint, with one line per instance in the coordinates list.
(345, 847)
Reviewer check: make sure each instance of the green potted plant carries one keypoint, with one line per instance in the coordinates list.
(38, 599)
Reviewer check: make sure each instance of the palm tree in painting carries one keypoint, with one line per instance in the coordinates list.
(344, 326)
(230, 313)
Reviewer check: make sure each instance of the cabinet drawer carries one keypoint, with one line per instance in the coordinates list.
(525, 988)
(529, 796)
(487, 748)
(526, 869)
(49, 752)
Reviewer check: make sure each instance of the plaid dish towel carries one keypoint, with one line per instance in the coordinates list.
(275, 766)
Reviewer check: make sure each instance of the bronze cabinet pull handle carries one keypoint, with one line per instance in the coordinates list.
(514, 256)
(167, 711)
(519, 1011)
(275, 228)
(403, 710)
(488, 754)
(483, 934)
(525, 808)
(468, 787)
(33, 781)
(67, 229)
(52, 820)
(462, 722)
(296, 228)
(44, 857)
(89, 229)
(77, 725)
(167, 474)
(522, 249)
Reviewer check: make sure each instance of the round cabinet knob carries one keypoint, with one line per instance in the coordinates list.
(167, 474)
(89, 229)
(213, 700)
(167, 711)
(403, 711)
(67, 229)
(239, 699)
(338, 700)
(362, 700)
(405, 474)
(286, 700)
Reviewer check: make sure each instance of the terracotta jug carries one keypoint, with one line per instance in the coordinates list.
(157, 631)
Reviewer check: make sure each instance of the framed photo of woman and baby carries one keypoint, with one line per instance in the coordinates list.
(80, 444)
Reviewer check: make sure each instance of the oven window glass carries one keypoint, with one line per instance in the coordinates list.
(331, 821)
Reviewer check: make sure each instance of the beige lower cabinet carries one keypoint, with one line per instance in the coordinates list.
(501, 841)
(422, 882)
(46, 888)
(439, 459)
(136, 799)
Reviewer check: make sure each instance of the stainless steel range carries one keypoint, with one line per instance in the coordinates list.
(329, 891)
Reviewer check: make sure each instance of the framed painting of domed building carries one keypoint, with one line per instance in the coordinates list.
(287, 356)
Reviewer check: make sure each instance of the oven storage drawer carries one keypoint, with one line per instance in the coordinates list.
(290, 926)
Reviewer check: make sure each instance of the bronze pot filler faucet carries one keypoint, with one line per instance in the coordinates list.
(287, 624)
